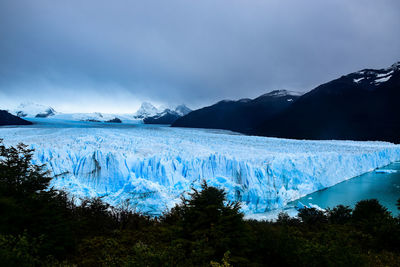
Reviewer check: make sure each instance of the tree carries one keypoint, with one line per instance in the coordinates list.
(210, 225)
(94, 216)
(18, 176)
(370, 210)
(312, 216)
(339, 214)
(29, 207)
(285, 219)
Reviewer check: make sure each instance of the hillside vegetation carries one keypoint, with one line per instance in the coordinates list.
(44, 227)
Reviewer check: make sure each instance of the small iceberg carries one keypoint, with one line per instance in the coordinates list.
(315, 207)
(301, 206)
(386, 171)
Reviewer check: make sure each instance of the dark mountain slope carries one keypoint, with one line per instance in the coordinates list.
(241, 116)
(359, 106)
(9, 119)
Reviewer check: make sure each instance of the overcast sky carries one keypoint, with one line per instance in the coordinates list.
(98, 55)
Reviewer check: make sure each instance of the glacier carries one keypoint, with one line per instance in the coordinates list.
(150, 167)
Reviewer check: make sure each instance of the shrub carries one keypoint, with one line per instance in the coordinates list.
(312, 216)
(370, 210)
(339, 214)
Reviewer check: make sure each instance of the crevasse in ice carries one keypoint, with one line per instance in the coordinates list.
(153, 166)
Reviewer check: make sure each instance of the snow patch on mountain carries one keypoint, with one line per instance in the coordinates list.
(281, 93)
(380, 75)
(375, 77)
(358, 80)
(384, 79)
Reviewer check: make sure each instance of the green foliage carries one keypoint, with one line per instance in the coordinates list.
(18, 176)
(207, 226)
(370, 210)
(339, 214)
(19, 251)
(44, 227)
(312, 216)
(27, 208)
(224, 263)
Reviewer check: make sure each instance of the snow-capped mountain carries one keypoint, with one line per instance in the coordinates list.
(168, 116)
(33, 110)
(360, 106)
(243, 115)
(182, 110)
(146, 110)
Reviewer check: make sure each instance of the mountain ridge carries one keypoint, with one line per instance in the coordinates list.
(358, 106)
(241, 115)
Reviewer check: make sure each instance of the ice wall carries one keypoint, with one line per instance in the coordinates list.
(152, 167)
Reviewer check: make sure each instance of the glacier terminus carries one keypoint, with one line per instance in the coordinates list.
(150, 167)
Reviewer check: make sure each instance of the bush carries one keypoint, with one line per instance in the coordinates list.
(370, 210)
(18, 176)
(312, 216)
(339, 214)
(209, 226)
(19, 251)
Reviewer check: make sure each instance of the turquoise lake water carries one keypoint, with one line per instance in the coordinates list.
(382, 184)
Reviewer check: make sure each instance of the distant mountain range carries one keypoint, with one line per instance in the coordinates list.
(147, 113)
(8, 119)
(243, 115)
(359, 106)
(33, 110)
(168, 116)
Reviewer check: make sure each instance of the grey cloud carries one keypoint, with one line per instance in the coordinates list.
(197, 52)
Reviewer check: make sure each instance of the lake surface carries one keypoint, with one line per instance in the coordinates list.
(383, 184)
